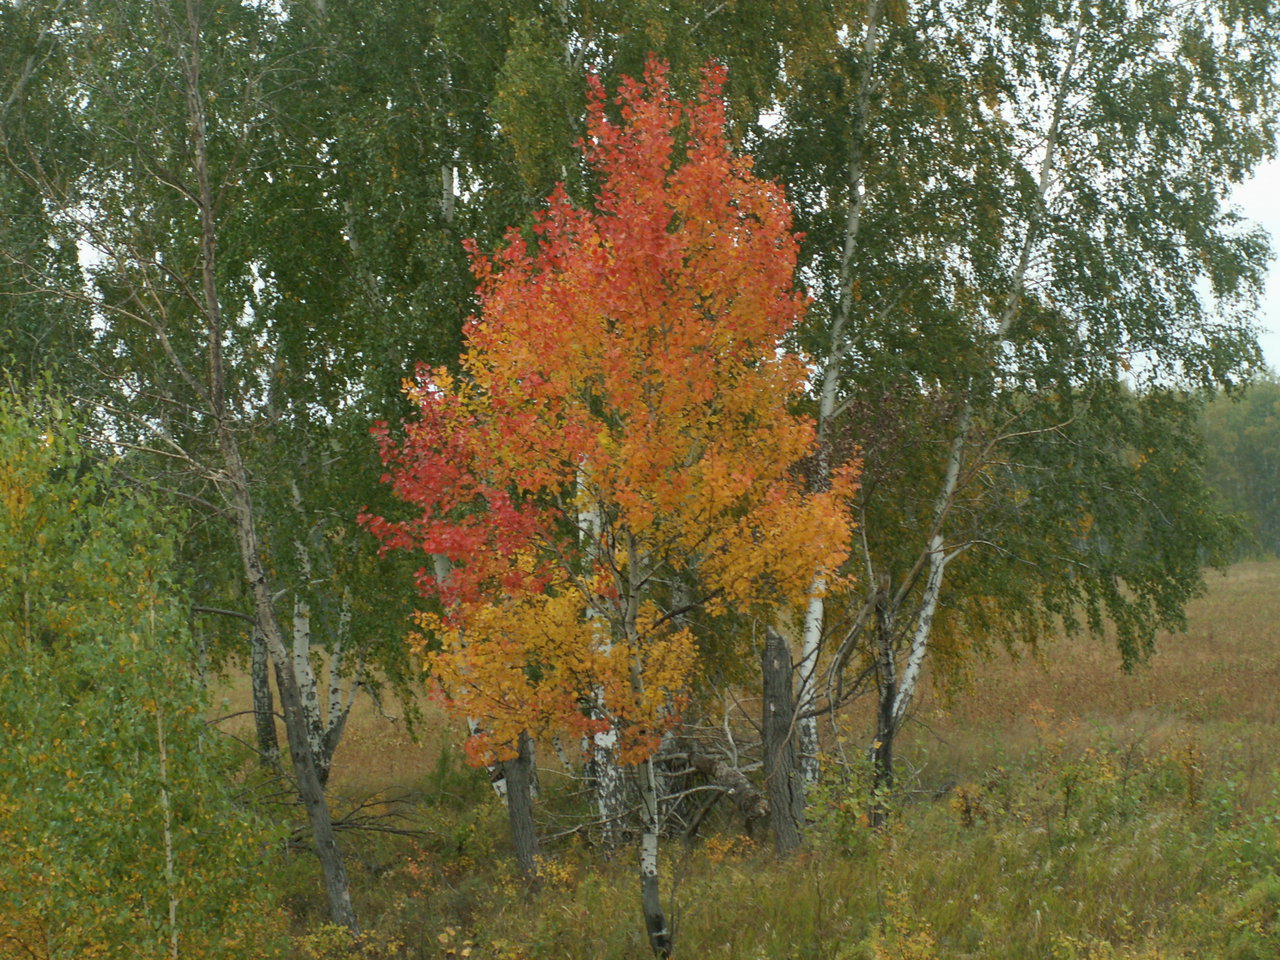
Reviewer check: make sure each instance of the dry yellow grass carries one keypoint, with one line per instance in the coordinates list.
(1113, 816)
(1217, 683)
(1219, 678)
(1226, 666)
(378, 750)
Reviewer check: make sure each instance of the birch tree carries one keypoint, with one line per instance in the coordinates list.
(1024, 268)
(171, 101)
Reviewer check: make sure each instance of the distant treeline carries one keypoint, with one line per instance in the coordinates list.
(1242, 440)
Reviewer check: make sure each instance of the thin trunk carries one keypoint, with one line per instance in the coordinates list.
(603, 769)
(497, 771)
(897, 692)
(263, 706)
(339, 706)
(815, 612)
(655, 921)
(307, 686)
(448, 191)
(924, 629)
(497, 774)
(1014, 303)
(519, 790)
(937, 556)
(310, 790)
(167, 813)
(810, 649)
(783, 783)
(448, 172)
(308, 682)
(887, 692)
(333, 714)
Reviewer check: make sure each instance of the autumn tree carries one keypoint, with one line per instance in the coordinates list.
(620, 424)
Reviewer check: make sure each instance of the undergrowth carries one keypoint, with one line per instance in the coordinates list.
(1057, 810)
(1117, 849)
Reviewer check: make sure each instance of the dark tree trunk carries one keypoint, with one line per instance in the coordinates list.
(886, 726)
(263, 703)
(783, 784)
(882, 763)
(519, 775)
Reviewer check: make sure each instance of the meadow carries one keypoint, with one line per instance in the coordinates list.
(1052, 807)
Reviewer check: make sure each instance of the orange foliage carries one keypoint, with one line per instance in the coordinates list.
(621, 418)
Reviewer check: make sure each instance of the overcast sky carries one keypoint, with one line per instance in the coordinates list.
(1259, 199)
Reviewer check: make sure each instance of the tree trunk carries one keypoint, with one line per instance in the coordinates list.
(881, 752)
(783, 782)
(882, 747)
(881, 767)
(263, 704)
(811, 637)
(655, 921)
(610, 784)
(603, 771)
(240, 501)
(811, 647)
(749, 801)
(519, 793)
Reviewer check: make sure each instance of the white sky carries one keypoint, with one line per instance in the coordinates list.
(1259, 200)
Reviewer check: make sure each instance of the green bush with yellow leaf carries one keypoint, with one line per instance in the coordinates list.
(119, 832)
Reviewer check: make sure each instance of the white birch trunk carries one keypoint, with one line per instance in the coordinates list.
(937, 561)
(167, 813)
(810, 649)
(448, 191)
(307, 685)
(906, 686)
(303, 670)
(655, 920)
(240, 499)
(938, 558)
(334, 713)
(497, 775)
(815, 612)
(610, 785)
(340, 702)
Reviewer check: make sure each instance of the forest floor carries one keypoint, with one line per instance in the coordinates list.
(1053, 808)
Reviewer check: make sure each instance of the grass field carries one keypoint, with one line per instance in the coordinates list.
(1055, 808)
